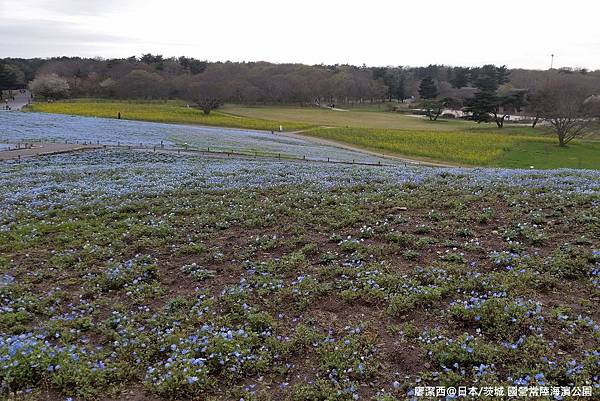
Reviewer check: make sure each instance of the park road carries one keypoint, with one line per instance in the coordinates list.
(21, 99)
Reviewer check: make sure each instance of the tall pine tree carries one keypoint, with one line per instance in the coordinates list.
(428, 89)
(488, 103)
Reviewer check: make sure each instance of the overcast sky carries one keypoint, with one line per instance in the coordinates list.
(519, 33)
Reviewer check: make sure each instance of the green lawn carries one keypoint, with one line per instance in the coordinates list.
(548, 155)
(351, 118)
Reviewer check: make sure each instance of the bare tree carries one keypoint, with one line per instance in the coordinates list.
(208, 104)
(50, 86)
(568, 107)
(140, 84)
(207, 95)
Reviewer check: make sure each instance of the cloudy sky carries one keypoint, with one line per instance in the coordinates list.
(519, 33)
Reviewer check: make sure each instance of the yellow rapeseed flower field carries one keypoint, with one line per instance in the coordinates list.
(472, 148)
(163, 112)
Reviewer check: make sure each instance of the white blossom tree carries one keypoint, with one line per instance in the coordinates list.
(50, 86)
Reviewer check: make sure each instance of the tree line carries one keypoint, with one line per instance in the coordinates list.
(155, 77)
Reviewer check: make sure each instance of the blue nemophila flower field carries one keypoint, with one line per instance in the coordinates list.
(99, 176)
(187, 277)
(16, 127)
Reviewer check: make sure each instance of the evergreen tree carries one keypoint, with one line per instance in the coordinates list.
(400, 92)
(488, 104)
(8, 77)
(489, 77)
(460, 77)
(428, 89)
(434, 108)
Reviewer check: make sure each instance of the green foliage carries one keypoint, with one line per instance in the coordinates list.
(570, 263)
(499, 318)
(192, 248)
(466, 351)
(413, 297)
(488, 101)
(198, 272)
(434, 107)
(460, 77)
(428, 89)
(138, 276)
(8, 77)
(402, 239)
(482, 106)
(349, 357)
(320, 390)
(489, 77)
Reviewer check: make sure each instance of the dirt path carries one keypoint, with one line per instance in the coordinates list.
(331, 108)
(41, 149)
(326, 142)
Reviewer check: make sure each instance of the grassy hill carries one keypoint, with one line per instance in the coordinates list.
(453, 141)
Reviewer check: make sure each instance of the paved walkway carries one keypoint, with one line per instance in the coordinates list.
(40, 149)
(21, 99)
